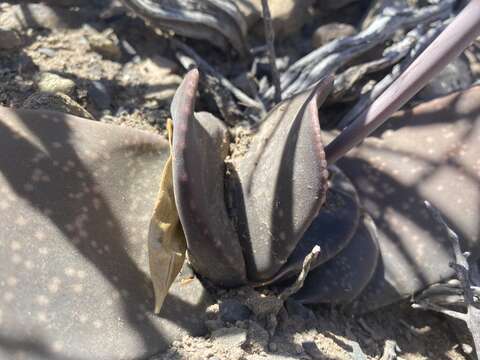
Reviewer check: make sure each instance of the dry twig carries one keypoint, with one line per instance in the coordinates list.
(206, 68)
(297, 285)
(270, 39)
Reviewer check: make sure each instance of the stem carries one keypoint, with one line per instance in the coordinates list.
(448, 45)
(270, 38)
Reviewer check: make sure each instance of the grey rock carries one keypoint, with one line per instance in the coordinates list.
(99, 94)
(47, 52)
(105, 43)
(455, 76)
(257, 335)
(233, 337)
(273, 347)
(53, 83)
(313, 351)
(214, 325)
(288, 16)
(330, 32)
(233, 310)
(39, 16)
(9, 39)
(294, 308)
(55, 102)
(334, 4)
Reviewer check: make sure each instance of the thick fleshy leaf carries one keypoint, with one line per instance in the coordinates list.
(428, 153)
(342, 279)
(280, 184)
(200, 145)
(332, 229)
(76, 200)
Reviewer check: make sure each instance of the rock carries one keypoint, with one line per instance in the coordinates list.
(99, 94)
(288, 16)
(212, 312)
(73, 255)
(47, 52)
(53, 83)
(9, 39)
(55, 102)
(157, 74)
(312, 350)
(230, 338)
(330, 32)
(233, 310)
(39, 16)
(334, 4)
(213, 325)
(66, 3)
(257, 335)
(377, 7)
(294, 308)
(454, 77)
(105, 43)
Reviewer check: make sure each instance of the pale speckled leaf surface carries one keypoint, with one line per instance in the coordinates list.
(428, 153)
(332, 228)
(76, 200)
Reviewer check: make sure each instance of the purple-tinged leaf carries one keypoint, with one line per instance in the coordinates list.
(280, 184)
(342, 279)
(428, 153)
(332, 229)
(200, 145)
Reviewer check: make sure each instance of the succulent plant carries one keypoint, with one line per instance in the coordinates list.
(80, 199)
(378, 243)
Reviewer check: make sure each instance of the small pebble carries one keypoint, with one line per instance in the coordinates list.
(53, 83)
(9, 39)
(47, 52)
(106, 44)
(99, 94)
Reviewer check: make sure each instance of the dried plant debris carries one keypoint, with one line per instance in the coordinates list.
(469, 277)
(329, 58)
(219, 22)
